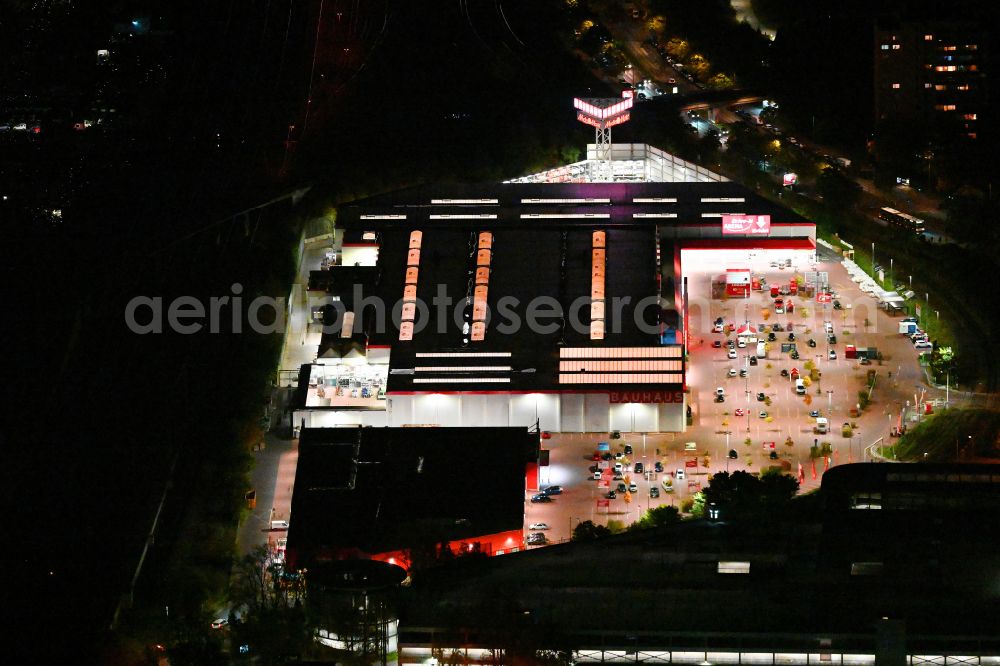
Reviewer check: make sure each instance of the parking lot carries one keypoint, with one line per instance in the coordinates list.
(717, 430)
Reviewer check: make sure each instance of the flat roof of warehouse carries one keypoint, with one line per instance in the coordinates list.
(540, 257)
(512, 202)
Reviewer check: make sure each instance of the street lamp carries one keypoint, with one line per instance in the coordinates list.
(873, 259)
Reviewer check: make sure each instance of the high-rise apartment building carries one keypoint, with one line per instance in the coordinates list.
(931, 72)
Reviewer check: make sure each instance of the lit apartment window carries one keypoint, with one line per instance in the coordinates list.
(940, 86)
(964, 86)
(866, 568)
(928, 38)
(895, 86)
(971, 135)
(970, 116)
(927, 85)
(971, 47)
(945, 107)
(949, 48)
(896, 47)
(885, 47)
(734, 567)
(946, 68)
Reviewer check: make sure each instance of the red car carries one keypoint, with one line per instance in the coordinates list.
(596, 456)
(738, 412)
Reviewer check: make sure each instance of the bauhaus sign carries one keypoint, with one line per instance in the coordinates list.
(646, 396)
(753, 225)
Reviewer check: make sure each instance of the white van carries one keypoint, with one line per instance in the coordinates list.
(800, 387)
(822, 425)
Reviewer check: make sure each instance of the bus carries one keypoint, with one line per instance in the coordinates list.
(901, 220)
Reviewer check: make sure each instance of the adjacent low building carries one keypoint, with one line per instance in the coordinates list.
(399, 494)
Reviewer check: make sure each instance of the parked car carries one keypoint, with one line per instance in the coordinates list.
(657, 466)
(552, 490)
(743, 372)
(795, 355)
(717, 344)
(739, 412)
(753, 360)
(633, 488)
(784, 372)
(761, 397)
(832, 339)
(762, 414)
(622, 487)
(638, 468)
(733, 455)
(654, 492)
(814, 414)
(619, 467)
(732, 372)
(540, 499)
(220, 623)
(628, 449)
(832, 354)
(923, 344)
(720, 398)
(732, 353)
(611, 494)
(811, 343)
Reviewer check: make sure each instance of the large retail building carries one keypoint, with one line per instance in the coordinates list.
(551, 300)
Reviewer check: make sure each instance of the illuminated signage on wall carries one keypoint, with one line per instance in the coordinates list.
(752, 225)
(646, 397)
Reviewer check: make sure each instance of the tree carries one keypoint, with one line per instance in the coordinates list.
(588, 531)
(660, 516)
(656, 25)
(837, 189)
(742, 493)
(274, 622)
(721, 82)
(678, 48)
(698, 65)
(616, 526)
(777, 488)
